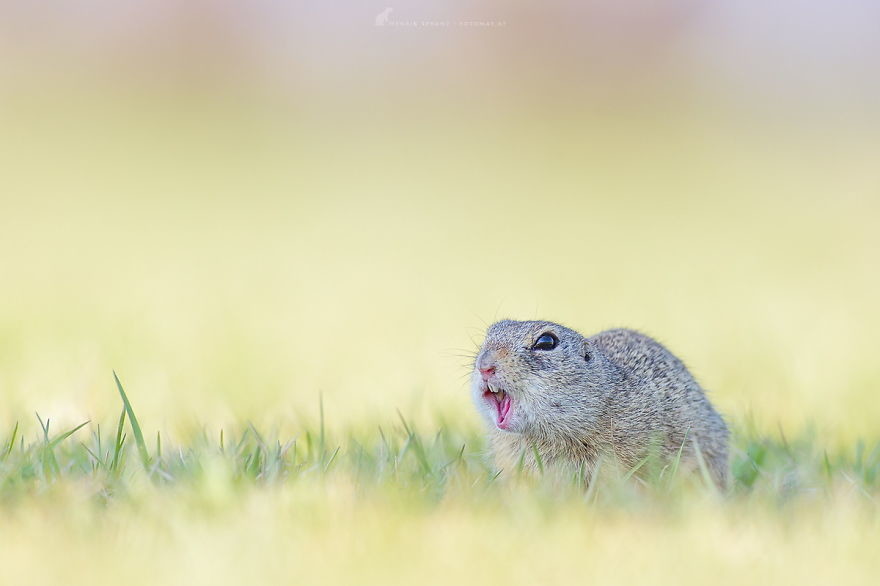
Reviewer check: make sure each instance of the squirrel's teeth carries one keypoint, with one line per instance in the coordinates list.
(498, 394)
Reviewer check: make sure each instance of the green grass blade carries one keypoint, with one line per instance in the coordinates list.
(403, 421)
(11, 443)
(676, 462)
(592, 492)
(632, 471)
(421, 455)
(538, 459)
(98, 462)
(67, 434)
(120, 440)
(135, 427)
(332, 458)
(521, 463)
(47, 454)
(704, 469)
(43, 426)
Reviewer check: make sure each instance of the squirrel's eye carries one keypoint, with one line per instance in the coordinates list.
(546, 341)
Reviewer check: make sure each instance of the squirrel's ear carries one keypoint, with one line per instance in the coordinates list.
(587, 350)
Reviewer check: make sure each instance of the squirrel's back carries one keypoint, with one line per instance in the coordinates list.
(659, 395)
(637, 355)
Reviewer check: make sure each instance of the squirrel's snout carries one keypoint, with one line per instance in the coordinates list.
(486, 365)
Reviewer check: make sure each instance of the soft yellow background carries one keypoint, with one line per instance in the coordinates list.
(239, 208)
(234, 260)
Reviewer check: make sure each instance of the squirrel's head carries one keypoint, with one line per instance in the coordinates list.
(538, 377)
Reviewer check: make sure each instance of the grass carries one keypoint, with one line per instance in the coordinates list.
(391, 504)
(424, 466)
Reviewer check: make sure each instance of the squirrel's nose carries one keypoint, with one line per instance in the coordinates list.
(486, 365)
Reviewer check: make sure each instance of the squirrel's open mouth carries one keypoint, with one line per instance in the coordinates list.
(500, 401)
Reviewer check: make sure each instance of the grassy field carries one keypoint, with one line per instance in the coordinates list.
(290, 295)
(397, 504)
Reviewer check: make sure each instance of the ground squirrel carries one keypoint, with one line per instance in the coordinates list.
(545, 388)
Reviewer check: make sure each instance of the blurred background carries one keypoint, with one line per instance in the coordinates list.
(241, 207)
